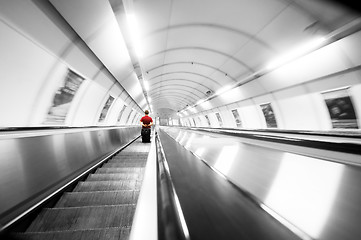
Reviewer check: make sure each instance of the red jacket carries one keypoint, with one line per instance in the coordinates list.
(146, 120)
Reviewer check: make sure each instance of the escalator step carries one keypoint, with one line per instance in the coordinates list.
(138, 149)
(102, 207)
(124, 164)
(103, 170)
(83, 218)
(115, 233)
(114, 176)
(128, 161)
(135, 156)
(81, 199)
(108, 185)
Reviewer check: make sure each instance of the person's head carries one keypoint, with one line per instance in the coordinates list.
(146, 112)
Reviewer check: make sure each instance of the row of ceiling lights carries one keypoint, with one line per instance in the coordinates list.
(278, 62)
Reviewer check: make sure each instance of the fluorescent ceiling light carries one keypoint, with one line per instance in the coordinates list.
(295, 53)
(193, 110)
(146, 85)
(223, 90)
(200, 101)
(134, 32)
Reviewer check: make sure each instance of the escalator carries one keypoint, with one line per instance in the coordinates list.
(101, 207)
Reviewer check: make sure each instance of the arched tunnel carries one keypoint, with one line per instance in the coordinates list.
(254, 119)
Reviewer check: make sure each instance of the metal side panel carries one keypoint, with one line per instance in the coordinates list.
(32, 166)
(313, 196)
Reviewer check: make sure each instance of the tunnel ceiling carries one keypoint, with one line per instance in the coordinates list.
(192, 48)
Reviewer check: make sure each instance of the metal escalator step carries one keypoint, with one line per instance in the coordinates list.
(81, 199)
(137, 155)
(116, 233)
(128, 161)
(116, 164)
(130, 153)
(114, 176)
(83, 218)
(107, 185)
(137, 148)
(139, 170)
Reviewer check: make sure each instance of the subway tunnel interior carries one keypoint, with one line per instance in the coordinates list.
(274, 84)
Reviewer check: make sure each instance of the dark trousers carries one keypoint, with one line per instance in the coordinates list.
(145, 134)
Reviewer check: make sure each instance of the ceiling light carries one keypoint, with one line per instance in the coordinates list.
(200, 101)
(134, 33)
(146, 85)
(297, 52)
(193, 110)
(223, 90)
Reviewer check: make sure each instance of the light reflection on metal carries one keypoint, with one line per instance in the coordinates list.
(183, 137)
(188, 142)
(199, 152)
(304, 191)
(226, 158)
(175, 196)
(286, 223)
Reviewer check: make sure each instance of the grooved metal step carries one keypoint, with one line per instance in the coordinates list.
(117, 233)
(114, 176)
(101, 207)
(124, 164)
(128, 160)
(107, 186)
(131, 156)
(81, 199)
(103, 169)
(82, 218)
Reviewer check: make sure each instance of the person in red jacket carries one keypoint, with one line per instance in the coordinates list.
(146, 123)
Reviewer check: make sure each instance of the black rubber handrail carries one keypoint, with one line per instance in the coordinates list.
(171, 223)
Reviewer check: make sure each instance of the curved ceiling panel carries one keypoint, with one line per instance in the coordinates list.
(164, 103)
(192, 83)
(174, 93)
(227, 41)
(194, 48)
(201, 68)
(198, 53)
(175, 89)
(187, 75)
(187, 99)
(181, 86)
(177, 99)
(213, 27)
